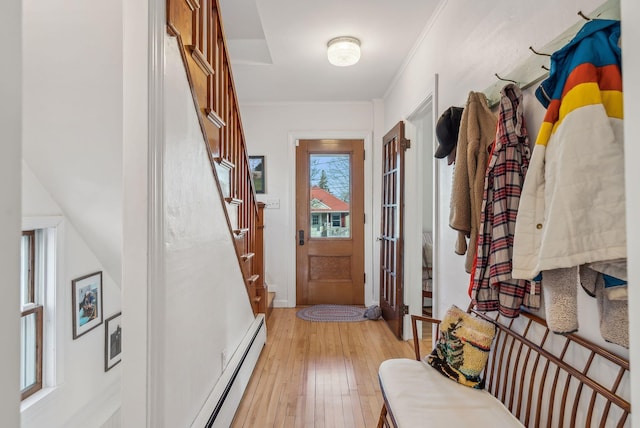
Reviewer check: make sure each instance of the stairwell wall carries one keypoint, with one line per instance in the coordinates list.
(10, 155)
(204, 311)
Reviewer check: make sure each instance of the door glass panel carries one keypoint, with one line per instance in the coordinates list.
(330, 180)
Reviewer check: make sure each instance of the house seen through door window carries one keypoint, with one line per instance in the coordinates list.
(330, 179)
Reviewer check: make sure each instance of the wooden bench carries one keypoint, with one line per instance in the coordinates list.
(533, 378)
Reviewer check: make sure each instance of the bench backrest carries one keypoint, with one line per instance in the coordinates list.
(550, 380)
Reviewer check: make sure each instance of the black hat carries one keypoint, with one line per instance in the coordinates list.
(447, 130)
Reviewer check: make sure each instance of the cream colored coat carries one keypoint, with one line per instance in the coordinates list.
(572, 208)
(477, 133)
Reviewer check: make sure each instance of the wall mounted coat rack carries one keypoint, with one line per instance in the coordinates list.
(535, 68)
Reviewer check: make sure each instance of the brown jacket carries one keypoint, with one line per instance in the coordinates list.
(477, 133)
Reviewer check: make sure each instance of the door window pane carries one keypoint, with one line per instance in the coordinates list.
(330, 210)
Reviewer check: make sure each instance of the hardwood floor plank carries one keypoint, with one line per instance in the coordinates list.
(320, 375)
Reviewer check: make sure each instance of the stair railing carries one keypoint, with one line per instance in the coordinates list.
(200, 32)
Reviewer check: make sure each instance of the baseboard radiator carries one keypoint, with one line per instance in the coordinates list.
(220, 407)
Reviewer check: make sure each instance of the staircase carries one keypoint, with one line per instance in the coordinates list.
(198, 28)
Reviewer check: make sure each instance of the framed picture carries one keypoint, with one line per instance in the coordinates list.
(112, 341)
(87, 303)
(256, 164)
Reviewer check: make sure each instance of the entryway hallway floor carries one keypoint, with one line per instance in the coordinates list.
(319, 374)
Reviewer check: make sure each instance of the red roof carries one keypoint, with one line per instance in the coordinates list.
(333, 203)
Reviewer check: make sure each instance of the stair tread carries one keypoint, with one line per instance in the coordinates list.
(233, 201)
(239, 232)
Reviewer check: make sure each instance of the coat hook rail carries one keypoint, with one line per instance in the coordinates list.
(583, 16)
(505, 80)
(538, 53)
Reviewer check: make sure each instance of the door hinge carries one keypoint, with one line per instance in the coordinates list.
(364, 218)
(365, 278)
(364, 155)
(405, 144)
(404, 309)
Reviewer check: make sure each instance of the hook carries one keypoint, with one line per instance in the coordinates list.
(537, 53)
(544, 67)
(505, 80)
(583, 16)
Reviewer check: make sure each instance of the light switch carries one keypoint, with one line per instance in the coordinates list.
(273, 204)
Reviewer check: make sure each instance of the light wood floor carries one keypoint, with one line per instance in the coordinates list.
(318, 375)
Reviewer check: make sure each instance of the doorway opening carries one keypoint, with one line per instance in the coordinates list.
(421, 289)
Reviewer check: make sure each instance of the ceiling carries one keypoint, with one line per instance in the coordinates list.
(278, 47)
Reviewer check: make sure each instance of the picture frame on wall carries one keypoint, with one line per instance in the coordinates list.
(86, 294)
(256, 165)
(112, 341)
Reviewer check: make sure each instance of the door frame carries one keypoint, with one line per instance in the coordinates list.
(413, 213)
(369, 298)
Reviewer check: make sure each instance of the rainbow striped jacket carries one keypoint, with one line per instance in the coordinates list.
(572, 208)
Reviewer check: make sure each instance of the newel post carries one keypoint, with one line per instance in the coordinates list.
(261, 287)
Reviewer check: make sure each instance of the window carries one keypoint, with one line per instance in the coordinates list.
(315, 220)
(31, 322)
(335, 220)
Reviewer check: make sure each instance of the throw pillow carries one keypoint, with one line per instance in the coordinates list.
(463, 347)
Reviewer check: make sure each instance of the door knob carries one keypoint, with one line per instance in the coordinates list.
(301, 237)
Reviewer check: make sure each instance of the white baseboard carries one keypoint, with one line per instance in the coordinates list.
(224, 399)
(282, 303)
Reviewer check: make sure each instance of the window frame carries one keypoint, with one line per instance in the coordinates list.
(336, 217)
(31, 307)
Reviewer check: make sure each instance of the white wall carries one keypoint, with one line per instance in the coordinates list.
(136, 178)
(203, 310)
(10, 154)
(271, 130)
(492, 38)
(80, 386)
(72, 113)
(631, 67)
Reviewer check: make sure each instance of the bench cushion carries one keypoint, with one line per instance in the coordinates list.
(417, 395)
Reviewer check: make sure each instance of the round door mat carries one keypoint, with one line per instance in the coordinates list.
(332, 313)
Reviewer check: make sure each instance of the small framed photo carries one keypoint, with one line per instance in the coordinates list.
(87, 303)
(112, 341)
(256, 164)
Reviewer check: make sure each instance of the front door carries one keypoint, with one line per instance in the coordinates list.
(330, 222)
(391, 228)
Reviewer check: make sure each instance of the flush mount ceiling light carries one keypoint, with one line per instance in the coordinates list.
(343, 51)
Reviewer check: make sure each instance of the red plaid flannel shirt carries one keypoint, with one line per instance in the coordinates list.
(493, 288)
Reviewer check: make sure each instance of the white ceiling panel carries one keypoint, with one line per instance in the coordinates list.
(291, 64)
